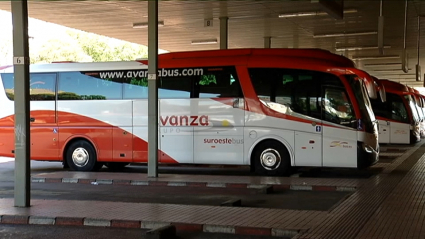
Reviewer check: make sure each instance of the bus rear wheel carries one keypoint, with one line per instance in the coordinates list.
(271, 158)
(81, 156)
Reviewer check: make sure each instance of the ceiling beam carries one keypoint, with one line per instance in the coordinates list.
(334, 8)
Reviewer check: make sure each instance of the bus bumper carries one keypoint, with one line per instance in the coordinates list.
(367, 155)
(414, 136)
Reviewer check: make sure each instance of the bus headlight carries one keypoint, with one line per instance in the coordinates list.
(368, 148)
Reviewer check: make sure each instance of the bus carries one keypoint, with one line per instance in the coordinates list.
(419, 108)
(269, 109)
(399, 120)
(422, 97)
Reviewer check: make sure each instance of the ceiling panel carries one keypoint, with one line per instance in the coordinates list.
(249, 22)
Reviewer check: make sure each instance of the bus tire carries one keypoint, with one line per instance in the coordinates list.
(81, 156)
(271, 158)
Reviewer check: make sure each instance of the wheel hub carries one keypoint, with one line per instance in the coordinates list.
(270, 159)
(80, 157)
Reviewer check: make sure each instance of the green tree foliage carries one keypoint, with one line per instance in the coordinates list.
(5, 50)
(139, 81)
(65, 49)
(77, 46)
(101, 48)
(207, 79)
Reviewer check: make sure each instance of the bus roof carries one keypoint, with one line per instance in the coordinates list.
(392, 86)
(312, 53)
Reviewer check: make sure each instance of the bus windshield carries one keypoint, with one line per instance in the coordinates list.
(393, 109)
(412, 106)
(359, 89)
(317, 95)
(418, 108)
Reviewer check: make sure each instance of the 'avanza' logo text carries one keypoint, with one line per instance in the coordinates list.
(184, 120)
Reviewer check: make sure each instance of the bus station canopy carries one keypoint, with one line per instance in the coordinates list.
(293, 24)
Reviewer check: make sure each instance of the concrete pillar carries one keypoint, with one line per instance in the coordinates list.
(267, 42)
(224, 22)
(22, 105)
(153, 88)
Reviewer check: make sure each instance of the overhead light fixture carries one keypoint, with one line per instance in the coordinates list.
(388, 70)
(382, 64)
(145, 24)
(345, 34)
(397, 74)
(375, 57)
(355, 48)
(306, 14)
(207, 41)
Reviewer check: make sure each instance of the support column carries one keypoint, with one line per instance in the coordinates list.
(224, 22)
(22, 106)
(152, 88)
(267, 42)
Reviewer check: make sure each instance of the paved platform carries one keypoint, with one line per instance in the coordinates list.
(389, 204)
(141, 179)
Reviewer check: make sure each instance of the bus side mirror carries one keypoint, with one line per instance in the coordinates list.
(371, 89)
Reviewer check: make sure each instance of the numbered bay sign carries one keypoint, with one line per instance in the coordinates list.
(208, 22)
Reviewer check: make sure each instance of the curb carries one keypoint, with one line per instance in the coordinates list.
(151, 225)
(302, 187)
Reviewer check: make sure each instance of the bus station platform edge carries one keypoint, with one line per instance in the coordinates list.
(386, 205)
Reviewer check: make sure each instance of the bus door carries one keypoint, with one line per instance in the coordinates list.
(308, 146)
(339, 128)
(43, 116)
(300, 90)
(308, 139)
(399, 133)
(218, 128)
(384, 131)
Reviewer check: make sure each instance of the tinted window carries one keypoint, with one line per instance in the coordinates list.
(393, 108)
(219, 82)
(175, 87)
(301, 91)
(337, 107)
(89, 86)
(297, 89)
(209, 82)
(42, 86)
(135, 88)
(412, 106)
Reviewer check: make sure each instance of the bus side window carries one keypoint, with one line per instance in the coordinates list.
(43, 86)
(219, 82)
(9, 85)
(337, 108)
(135, 88)
(175, 87)
(262, 80)
(88, 86)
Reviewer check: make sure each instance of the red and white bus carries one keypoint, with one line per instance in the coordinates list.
(419, 108)
(398, 117)
(422, 98)
(267, 108)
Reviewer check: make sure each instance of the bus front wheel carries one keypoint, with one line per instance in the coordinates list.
(271, 158)
(81, 156)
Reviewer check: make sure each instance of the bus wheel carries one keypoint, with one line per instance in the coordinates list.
(81, 156)
(271, 158)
